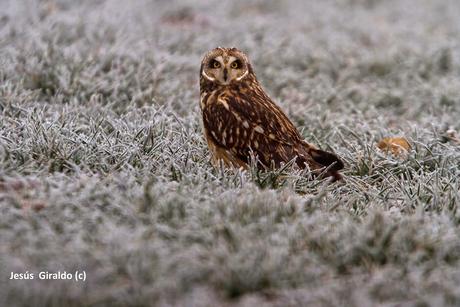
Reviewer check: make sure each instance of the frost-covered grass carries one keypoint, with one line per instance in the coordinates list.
(104, 167)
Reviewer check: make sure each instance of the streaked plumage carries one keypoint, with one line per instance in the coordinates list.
(240, 119)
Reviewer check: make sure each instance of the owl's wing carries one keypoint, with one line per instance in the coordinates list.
(242, 123)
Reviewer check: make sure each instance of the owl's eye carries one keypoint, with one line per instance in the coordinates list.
(236, 64)
(215, 64)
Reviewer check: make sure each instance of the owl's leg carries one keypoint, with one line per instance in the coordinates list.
(221, 155)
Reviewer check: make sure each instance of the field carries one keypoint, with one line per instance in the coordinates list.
(103, 166)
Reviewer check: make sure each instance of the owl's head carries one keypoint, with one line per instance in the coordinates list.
(225, 65)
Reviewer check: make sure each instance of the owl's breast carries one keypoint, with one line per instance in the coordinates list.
(207, 98)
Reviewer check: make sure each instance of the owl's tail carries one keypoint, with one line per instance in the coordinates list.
(323, 160)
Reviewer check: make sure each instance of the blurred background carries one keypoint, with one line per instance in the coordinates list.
(103, 166)
(334, 53)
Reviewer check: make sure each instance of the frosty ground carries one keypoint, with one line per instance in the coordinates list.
(104, 167)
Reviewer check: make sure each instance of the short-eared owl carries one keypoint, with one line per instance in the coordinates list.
(240, 119)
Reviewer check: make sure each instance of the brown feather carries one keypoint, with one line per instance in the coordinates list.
(239, 119)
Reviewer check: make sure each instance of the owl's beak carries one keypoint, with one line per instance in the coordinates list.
(225, 74)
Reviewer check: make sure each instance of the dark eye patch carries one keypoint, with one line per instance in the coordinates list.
(214, 64)
(237, 64)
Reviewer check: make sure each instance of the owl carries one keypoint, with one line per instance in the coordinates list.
(240, 121)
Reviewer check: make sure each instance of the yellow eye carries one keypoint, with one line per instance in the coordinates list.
(234, 65)
(215, 64)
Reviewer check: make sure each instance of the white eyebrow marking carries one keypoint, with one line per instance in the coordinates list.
(220, 59)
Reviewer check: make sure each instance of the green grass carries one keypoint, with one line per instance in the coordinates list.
(103, 166)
